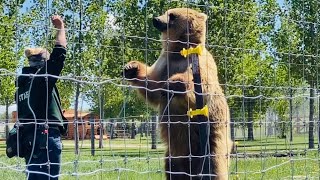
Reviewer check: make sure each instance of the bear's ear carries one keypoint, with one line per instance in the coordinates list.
(203, 16)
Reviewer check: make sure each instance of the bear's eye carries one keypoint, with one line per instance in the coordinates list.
(172, 17)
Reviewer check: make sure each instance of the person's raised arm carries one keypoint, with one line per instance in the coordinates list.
(61, 34)
(56, 61)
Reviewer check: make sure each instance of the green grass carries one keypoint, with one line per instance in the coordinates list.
(133, 159)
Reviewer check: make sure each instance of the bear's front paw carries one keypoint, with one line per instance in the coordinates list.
(130, 70)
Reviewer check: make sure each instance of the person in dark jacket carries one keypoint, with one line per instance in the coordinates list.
(39, 107)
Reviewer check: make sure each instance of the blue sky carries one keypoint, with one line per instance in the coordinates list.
(281, 2)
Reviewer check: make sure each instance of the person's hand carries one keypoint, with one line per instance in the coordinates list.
(57, 21)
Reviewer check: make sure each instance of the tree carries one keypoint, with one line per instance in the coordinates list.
(10, 52)
(237, 36)
(104, 35)
(297, 44)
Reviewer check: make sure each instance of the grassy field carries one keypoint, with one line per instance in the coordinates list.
(133, 159)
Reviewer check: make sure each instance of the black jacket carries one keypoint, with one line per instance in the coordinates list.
(41, 92)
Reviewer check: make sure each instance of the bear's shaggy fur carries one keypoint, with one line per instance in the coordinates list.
(172, 72)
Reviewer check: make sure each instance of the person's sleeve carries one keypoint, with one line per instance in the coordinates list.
(54, 67)
(55, 63)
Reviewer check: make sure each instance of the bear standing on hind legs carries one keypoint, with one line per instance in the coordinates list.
(168, 86)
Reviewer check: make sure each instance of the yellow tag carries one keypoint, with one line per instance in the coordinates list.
(197, 50)
(204, 111)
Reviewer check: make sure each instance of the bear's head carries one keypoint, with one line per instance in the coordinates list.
(181, 26)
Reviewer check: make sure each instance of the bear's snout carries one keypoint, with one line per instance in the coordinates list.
(160, 25)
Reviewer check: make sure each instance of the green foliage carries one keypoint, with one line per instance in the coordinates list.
(8, 51)
(297, 39)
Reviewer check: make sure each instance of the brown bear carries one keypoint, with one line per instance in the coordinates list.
(168, 86)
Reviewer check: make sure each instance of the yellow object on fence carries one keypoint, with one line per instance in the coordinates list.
(204, 111)
(197, 50)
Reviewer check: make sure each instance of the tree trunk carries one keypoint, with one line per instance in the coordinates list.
(78, 72)
(76, 125)
(92, 134)
(133, 134)
(154, 132)
(146, 130)
(141, 129)
(250, 131)
(112, 129)
(7, 117)
(318, 123)
(101, 122)
(232, 125)
(250, 119)
(283, 129)
(311, 121)
(291, 108)
(101, 135)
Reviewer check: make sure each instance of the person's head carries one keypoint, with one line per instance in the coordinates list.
(37, 56)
